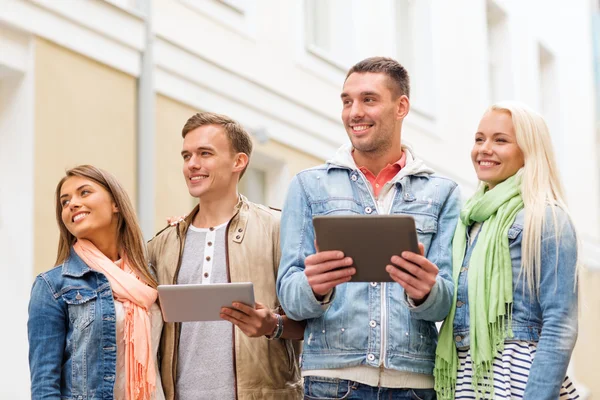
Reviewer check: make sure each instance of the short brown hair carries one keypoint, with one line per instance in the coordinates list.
(392, 68)
(239, 138)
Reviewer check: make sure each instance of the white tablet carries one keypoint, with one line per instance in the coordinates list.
(201, 302)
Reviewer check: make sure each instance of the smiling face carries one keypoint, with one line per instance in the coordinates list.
(496, 155)
(88, 210)
(372, 114)
(210, 167)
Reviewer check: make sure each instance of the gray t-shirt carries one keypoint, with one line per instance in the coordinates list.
(205, 357)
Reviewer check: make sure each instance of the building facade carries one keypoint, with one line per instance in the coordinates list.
(111, 83)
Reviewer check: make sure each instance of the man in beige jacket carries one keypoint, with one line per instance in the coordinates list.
(253, 352)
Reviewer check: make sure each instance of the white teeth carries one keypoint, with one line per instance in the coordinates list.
(79, 217)
(197, 178)
(360, 127)
(487, 163)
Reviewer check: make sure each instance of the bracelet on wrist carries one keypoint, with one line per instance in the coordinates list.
(278, 329)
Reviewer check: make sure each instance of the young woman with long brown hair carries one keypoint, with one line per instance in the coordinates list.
(94, 325)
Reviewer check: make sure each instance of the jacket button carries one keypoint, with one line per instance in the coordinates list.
(353, 178)
(207, 258)
(238, 236)
(372, 324)
(240, 230)
(368, 210)
(374, 284)
(206, 274)
(458, 338)
(370, 357)
(209, 243)
(211, 228)
(459, 304)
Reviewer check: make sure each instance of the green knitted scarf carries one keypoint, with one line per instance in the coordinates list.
(489, 287)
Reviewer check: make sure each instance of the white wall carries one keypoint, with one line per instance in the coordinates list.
(16, 208)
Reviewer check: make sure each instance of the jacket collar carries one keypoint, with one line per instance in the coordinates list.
(237, 224)
(414, 165)
(74, 266)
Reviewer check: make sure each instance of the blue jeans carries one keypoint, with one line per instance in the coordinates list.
(320, 388)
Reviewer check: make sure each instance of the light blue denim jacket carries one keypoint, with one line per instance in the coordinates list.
(348, 330)
(72, 334)
(551, 319)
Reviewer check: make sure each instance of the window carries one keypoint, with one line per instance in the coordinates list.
(236, 15)
(329, 30)
(549, 99)
(253, 185)
(414, 47)
(499, 56)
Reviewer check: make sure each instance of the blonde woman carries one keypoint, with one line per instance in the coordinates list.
(513, 323)
(94, 325)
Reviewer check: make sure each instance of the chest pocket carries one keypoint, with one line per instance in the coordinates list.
(514, 232)
(81, 304)
(426, 227)
(339, 206)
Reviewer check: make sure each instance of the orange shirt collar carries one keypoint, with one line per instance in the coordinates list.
(385, 175)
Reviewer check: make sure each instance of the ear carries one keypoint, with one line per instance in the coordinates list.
(402, 107)
(240, 162)
(115, 209)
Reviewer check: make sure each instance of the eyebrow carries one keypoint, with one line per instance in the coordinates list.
(78, 189)
(198, 149)
(366, 93)
(493, 134)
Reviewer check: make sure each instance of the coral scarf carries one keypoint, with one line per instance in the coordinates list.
(137, 297)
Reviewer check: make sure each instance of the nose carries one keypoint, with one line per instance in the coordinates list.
(486, 147)
(356, 111)
(193, 163)
(74, 203)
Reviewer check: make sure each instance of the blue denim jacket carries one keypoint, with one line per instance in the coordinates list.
(72, 334)
(551, 319)
(348, 330)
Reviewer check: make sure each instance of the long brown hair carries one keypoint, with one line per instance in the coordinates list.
(129, 234)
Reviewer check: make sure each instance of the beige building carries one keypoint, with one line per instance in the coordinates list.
(112, 82)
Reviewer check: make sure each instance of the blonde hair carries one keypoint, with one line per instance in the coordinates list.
(129, 234)
(540, 188)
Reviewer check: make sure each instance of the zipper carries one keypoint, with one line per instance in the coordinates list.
(229, 281)
(383, 305)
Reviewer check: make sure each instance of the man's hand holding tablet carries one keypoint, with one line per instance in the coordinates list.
(327, 269)
(253, 321)
(414, 273)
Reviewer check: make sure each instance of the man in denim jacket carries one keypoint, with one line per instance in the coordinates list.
(365, 340)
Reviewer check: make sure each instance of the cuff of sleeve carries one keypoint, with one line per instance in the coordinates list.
(316, 305)
(429, 301)
(327, 299)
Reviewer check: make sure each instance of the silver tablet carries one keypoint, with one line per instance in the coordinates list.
(201, 302)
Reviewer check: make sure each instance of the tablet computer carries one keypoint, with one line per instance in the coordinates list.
(371, 241)
(201, 302)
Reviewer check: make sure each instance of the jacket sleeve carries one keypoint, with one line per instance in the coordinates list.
(437, 305)
(559, 306)
(46, 330)
(151, 249)
(297, 243)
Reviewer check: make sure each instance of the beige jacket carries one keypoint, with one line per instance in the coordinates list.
(264, 369)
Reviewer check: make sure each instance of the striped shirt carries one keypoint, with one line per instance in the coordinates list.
(511, 371)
